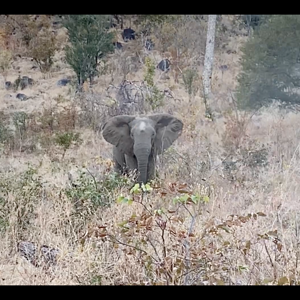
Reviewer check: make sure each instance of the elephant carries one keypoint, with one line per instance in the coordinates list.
(137, 140)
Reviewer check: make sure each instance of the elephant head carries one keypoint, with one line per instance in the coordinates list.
(142, 137)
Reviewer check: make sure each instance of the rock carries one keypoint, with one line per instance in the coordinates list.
(223, 68)
(7, 97)
(128, 34)
(118, 45)
(22, 97)
(63, 82)
(38, 257)
(149, 45)
(164, 65)
(8, 85)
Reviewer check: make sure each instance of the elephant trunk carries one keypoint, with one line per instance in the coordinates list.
(142, 156)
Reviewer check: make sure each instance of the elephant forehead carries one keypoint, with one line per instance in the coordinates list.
(142, 123)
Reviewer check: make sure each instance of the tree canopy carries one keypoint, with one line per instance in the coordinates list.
(89, 41)
(270, 63)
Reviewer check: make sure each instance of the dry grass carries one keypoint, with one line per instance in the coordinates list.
(223, 210)
(189, 243)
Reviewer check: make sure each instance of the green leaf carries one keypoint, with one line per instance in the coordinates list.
(147, 187)
(135, 189)
(122, 199)
(159, 211)
(243, 268)
(195, 198)
(205, 199)
(184, 197)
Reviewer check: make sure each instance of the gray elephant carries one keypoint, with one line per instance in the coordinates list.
(138, 139)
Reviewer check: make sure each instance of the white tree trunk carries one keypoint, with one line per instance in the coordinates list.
(209, 55)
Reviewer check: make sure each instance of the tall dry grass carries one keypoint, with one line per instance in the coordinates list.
(203, 223)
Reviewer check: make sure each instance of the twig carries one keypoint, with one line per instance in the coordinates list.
(186, 245)
(95, 182)
(115, 240)
(268, 254)
(149, 240)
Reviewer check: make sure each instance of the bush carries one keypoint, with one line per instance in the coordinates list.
(87, 194)
(155, 97)
(89, 41)
(42, 49)
(66, 140)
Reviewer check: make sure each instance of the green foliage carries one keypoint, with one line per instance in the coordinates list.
(89, 41)
(67, 139)
(155, 96)
(254, 21)
(150, 71)
(88, 194)
(270, 63)
(188, 198)
(137, 189)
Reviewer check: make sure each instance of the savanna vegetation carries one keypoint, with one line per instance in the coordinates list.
(223, 209)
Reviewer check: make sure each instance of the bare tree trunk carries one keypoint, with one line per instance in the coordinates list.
(208, 60)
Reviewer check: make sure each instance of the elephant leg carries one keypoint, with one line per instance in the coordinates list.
(119, 161)
(131, 163)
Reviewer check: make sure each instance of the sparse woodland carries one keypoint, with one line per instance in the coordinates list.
(224, 206)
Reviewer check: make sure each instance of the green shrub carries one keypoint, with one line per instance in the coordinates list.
(66, 140)
(155, 97)
(87, 194)
(89, 41)
(270, 64)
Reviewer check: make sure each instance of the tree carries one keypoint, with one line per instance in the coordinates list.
(270, 64)
(89, 41)
(253, 21)
(208, 60)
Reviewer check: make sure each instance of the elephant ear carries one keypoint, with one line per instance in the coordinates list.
(116, 131)
(168, 129)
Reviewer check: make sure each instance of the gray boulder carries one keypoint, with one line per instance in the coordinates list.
(63, 82)
(22, 97)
